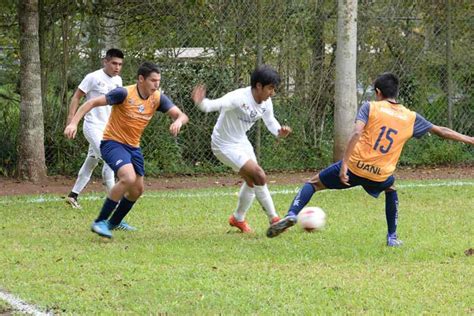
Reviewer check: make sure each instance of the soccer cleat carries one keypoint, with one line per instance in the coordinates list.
(280, 226)
(123, 225)
(392, 241)
(73, 202)
(243, 226)
(101, 228)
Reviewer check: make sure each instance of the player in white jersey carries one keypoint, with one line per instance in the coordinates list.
(239, 110)
(95, 84)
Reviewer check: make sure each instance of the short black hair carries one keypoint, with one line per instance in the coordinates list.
(265, 75)
(113, 52)
(147, 68)
(387, 83)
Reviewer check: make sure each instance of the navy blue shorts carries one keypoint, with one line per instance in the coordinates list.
(116, 155)
(330, 178)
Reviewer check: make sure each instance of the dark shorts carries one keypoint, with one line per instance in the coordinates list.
(116, 155)
(330, 178)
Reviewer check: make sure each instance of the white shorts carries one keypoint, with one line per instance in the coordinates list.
(235, 155)
(93, 134)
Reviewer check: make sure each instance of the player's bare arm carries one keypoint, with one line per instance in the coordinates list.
(448, 133)
(356, 133)
(284, 131)
(179, 119)
(71, 129)
(75, 101)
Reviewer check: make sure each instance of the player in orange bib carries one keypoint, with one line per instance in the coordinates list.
(132, 109)
(381, 130)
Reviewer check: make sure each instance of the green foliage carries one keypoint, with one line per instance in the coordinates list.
(431, 150)
(186, 260)
(298, 38)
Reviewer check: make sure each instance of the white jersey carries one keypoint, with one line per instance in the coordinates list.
(238, 113)
(95, 84)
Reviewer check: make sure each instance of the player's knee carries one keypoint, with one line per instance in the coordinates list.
(128, 179)
(260, 178)
(316, 183)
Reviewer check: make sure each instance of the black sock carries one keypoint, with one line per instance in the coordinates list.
(122, 210)
(73, 195)
(391, 211)
(107, 209)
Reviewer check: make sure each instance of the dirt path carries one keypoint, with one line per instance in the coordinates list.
(62, 185)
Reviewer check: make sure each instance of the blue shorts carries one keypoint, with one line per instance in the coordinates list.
(330, 178)
(116, 155)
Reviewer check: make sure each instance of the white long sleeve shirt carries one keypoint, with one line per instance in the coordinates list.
(238, 113)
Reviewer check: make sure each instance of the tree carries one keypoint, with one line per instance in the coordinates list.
(31, 162)
(345, 83)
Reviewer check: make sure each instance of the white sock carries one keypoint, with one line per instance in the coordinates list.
(85, 174)
(265, 199)
(246, 196)
(108, 176)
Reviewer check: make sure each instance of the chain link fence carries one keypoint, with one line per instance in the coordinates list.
(428, 44)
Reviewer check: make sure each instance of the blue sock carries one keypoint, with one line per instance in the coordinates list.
(107, 209)
(301, 199)
(391, 211)
(122, 210)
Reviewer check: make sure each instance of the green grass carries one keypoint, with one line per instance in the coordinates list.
(186, 260)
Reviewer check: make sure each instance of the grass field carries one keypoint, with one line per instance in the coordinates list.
(185, 259)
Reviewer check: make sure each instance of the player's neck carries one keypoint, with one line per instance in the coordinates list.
(105, 72)
(142, 96)
(255, 96)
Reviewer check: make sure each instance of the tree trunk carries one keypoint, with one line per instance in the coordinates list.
(345, 84)
(31, 162)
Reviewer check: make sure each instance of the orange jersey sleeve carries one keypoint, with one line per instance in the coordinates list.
(378, 150)
(129, 118)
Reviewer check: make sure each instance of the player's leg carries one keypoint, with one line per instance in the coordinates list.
(133, 193)
(326, 179)
(391, 214)
(245, 200)
(118, 157)
(254, 173)
(391, 205)
(94, 135)
(83, 178)
(232, 156)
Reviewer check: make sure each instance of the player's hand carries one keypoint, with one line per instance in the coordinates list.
(175, 127)
(343, 176)
(284, 131)
(198, 94)
(70, 131)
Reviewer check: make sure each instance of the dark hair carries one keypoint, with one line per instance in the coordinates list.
(265, 75)
(147, 68)
(387, 83)
(113, 52)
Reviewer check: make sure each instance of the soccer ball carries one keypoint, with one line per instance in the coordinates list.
(312, 218)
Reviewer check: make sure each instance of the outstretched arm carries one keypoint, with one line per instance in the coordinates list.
(71, 129)
(179, 119)
(356, 133)
(75, 100)
(206, 105)
(448, 133)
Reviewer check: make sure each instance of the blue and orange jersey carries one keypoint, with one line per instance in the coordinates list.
(131, 114)
(388, 127)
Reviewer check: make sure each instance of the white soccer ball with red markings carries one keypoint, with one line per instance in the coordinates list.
(312, 218)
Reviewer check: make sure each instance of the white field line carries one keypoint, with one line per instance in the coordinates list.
(20, 306)
(43, 199)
